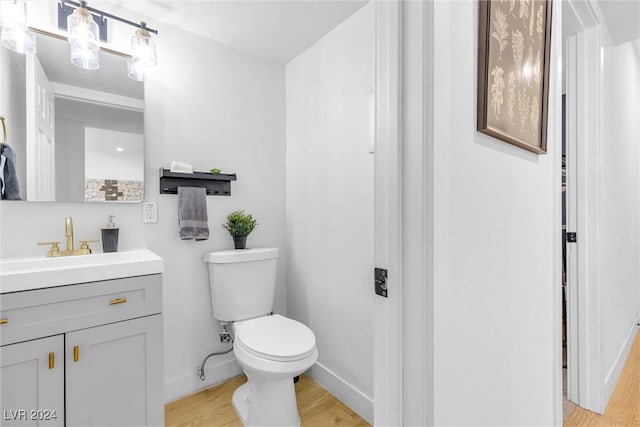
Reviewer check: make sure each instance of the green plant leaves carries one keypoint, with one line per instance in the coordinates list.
(240, 224)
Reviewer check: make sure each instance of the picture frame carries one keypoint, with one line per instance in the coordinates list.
(514, 50)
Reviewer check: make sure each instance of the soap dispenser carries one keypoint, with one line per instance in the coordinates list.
(110, 236)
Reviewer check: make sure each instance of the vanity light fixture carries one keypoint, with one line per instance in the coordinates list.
(15, 33)
(84, 39)
(85, 35)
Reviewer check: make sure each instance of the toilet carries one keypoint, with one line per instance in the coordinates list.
(270, 348)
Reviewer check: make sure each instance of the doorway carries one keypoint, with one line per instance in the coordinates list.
(602, 197)
(341, 93)
(583, 307)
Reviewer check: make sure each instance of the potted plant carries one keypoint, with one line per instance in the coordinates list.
(239, 225)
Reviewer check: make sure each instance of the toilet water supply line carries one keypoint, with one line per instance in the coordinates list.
(225, 336)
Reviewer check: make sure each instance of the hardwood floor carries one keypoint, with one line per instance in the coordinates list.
(623, 409)
(318, 408)
(212, 407)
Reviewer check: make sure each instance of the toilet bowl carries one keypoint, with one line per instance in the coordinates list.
(271, 351)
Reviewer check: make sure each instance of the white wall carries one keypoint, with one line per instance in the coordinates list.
(330, 205)
(69, 160)
(496, 248)
(71, 119)
(619, 235)
(102, 160)
(213, 107)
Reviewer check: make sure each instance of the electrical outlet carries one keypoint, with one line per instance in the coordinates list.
(149, 212)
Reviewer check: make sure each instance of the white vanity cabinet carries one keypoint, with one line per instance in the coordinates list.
(116, 379)
(106, 337)
(36, 368)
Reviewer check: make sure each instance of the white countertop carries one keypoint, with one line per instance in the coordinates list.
(24, 274)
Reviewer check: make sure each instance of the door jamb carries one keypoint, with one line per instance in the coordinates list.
(387, 322)
(584, 302)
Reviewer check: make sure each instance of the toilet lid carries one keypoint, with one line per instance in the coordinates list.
(275, 338)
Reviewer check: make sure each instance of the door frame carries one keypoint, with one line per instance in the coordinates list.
(387, 321)
(403, 322)
(586, 385)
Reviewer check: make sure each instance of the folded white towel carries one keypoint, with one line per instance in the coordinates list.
(181, 167)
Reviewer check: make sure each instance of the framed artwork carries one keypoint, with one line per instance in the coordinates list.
(514, 44)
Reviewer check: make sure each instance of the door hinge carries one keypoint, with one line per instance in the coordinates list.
(380, 276)
(572, 237)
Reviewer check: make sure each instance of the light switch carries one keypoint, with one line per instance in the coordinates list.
(149, 212)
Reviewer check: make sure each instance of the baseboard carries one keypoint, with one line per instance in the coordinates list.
(345, 392)
(216, 371)
(614, 372)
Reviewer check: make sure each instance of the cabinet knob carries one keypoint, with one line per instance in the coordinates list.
(3, 321)
(118, 301)
(52, 360)
(76, 353)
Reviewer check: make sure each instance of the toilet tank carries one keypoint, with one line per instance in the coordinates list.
(243, 282)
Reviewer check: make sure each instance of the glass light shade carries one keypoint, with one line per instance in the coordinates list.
(143, 49)
(89, 59)
(18, 40)
(135, 70)
(15, 33)
(84, 39)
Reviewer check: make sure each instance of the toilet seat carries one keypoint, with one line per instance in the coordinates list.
(275, 338)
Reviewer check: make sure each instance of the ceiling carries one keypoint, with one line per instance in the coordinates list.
(277, 30)
(620, 17)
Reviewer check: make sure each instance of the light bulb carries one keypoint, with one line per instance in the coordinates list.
(143, 48)
(84, 40)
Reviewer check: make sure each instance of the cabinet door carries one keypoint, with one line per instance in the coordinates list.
(114, 374)
(32, 382)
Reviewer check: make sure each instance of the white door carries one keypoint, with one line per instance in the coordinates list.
(115, 374)
(41, 170)
(32, 382)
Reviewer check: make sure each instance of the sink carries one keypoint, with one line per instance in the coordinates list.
(22, 274)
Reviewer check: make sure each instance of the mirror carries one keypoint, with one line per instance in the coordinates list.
(83, 136)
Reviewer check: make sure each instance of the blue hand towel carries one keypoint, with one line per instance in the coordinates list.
(192, 213)
(10, 185)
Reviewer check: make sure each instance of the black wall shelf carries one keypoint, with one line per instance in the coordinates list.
(217, 184)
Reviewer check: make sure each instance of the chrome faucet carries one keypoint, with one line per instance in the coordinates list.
(54, 250)
(68, 232)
